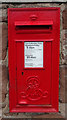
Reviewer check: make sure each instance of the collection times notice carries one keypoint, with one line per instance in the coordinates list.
(33, 52)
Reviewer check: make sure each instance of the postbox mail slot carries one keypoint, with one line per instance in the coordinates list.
(22, 27)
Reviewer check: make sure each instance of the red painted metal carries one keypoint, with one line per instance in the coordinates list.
(17, 23)
(33, 89)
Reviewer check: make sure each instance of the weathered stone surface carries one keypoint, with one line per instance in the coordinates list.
(3, 40)
(0, 83)
(5, 72)
(3, 6)
(63, 89)
(62, 109)
(33, 1)
(66, 84)
(14, 115)
(64, 15)
(63, 47)
(4, 79)
(3, 83)
(12, 6)
(62, 6)
(0, 6)
(3, 16)
(26, 1)
(1, 114)
(29, 5)
(52, 115)
(59, 0)
(0, 100)
(2, 104)
(0, 15)
(0, 41)
(44, 5)
(4, 54)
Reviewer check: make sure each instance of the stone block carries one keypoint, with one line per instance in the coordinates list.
(3, 15)
(66, 84)
(62, 6)
(64, 16)
(3, 81)
(3, 6)
(63, 89)
(12, 6)
(48, 116)
(62, 109)
(64, 46)
(0, 41)
(3, 40)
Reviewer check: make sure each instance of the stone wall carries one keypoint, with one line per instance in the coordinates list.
(4, 104)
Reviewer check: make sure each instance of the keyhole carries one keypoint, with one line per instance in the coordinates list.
(22, 73)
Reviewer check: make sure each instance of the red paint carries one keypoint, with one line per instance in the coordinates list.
(33, 89)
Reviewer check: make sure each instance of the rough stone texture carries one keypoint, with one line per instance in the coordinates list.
(66, 84)
(0, 41)
(3, 16)
(62, 109)
(28, 1)
(0, 84)
(3, 6)
(66, 47)
(64, 19)
(3, 38)
(53, 115)
(0, 15)
(0, 118)
(62, 83)
(62, 6)
(29, 5)
(63, 46)
(4, 81)
(3, 85)
(33, 1)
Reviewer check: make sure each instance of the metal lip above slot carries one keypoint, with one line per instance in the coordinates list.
(33, 27)
(20, 23)
(45, 40)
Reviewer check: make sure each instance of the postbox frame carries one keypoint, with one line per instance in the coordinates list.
(12, 70)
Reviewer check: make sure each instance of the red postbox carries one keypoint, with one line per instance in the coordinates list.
(33, 44)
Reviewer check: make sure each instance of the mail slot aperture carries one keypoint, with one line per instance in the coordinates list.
(45, 26)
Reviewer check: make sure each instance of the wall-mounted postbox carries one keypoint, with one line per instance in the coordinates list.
(33, 42)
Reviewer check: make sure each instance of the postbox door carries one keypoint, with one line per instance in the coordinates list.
(33, 72)
(33, 43)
